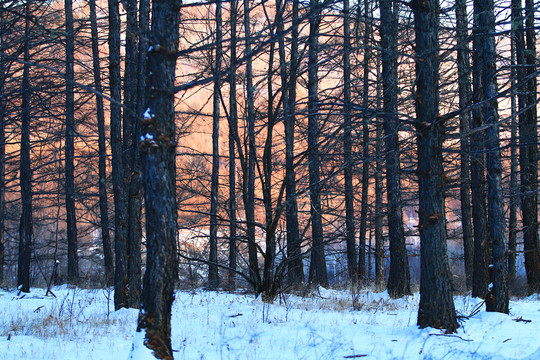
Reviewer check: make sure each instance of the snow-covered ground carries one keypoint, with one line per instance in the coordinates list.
(81, 324)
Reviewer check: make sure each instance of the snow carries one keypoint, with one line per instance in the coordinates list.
(138, 350)
(79, 324)
(146, 137)
(148, 114)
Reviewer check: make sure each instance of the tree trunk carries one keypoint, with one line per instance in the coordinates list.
(102, 151)
(512, 218)
(120, 201)
(233, 132)
(71, 220)
(497, 297)
(25, 225)
(294, 251)
(399, 277)
(365, 144)
(317, 271)
(3, 75)
(213, 276)
(350, 241)
(436, 307)
(379, 239)
(249, 199)
(464, 89)
(158, 158)
(478, 184)
(269, 289)
(131, 157)
(528, 155)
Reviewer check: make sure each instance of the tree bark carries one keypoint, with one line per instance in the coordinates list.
(233, 133)
(399, 276)
(514, 187)
(528, 155)
(294, 251)
(102, 151)
(497, 297)
(365, 146)
(249, 199)
(131, 156)
(379, 217)
(158, 158)
(478, 182)
(350, 240)
(464, 89)
(71, 220)
(120, 200)
(3, 77)
(213, 276)
(317, 271)
(436, 307)
(25, 225)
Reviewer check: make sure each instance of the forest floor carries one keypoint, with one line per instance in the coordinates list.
(81, 324)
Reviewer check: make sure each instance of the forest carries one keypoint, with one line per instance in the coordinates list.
(273, 147)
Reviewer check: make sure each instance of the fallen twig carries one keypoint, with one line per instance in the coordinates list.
(451, 335)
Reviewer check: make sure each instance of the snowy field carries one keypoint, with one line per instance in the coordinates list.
(81, 324)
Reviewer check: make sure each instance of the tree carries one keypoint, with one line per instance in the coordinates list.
(347, 152)
(213, 276)
(379, 149)
(249, 178)
(464, 89)
(130, 161)
(478, 182)
(71, 221)
(317, 270)
(436, 307)
(158, 155)
(294, 251)
(497, 297)
(399, 277)
(108, 257)
(528, 138)
(233, 134)
(25, 225)
(3, 120)
(365, 145)
(120, 201)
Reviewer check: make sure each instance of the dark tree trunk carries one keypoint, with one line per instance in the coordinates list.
(136, 186)
(379, 239)
(249, 199)
(131, 156)
(294, 251)
(399, 276)
(436, 307)
(317, 271)
(478, 183)
(497, 297)
(102, 151)
(158, 158)
(464, 89)
(365, 144)
(233, 133)
(379, 217)
(213, 276)
(71, 220)
(25, 225)
(3, 74)
(514, 187)
(528, 139)
(352, 266)
(269, 289)
(120, 200)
